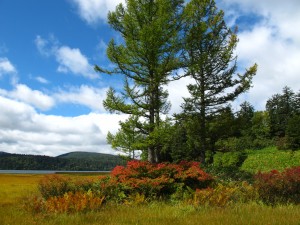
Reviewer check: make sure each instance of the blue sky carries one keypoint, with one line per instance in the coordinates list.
(51, 98)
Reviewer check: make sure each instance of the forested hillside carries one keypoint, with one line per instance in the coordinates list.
(75, 161)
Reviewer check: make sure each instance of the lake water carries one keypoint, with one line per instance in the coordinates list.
(45, 171)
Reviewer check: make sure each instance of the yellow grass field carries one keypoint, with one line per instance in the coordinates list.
(14, 189)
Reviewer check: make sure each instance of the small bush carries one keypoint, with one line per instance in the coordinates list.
(279, 187)
(74, 202)
(223, 195)
(54, 185)
(67, 203)
(229, 159)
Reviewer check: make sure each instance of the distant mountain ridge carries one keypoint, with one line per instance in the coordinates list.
(88, 161)
(4, 153)
(89, 155)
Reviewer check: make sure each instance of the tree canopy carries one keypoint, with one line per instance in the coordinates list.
(159, 37)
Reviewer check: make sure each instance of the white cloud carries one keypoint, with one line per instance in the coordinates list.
(6, 67)
(70, 60)
(281, 14)
(278, 63)
(32, 97)
(25, 131)
(273, 42)
(94, 11)
(84, 95)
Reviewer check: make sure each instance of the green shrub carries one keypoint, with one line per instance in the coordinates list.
(229, 159)
(231, 145)
(267, 159)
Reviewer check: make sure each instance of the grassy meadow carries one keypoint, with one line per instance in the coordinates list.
(16, 188)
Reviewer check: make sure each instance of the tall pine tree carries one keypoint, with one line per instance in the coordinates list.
(210, 61)
(148, 59)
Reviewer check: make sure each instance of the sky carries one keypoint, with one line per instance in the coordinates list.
(51, 97)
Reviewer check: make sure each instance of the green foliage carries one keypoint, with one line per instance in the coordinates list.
(229, 159)
(260, 130)
(280, 108)
(293, 133)
(269, 159)
(226, 167)
(232, 144)
(279, 187)
(128, 139)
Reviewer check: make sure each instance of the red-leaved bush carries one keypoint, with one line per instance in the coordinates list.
(279, 187)
(157, 180)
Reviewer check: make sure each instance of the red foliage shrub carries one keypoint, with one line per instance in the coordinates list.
(279, 187)
(157, 180)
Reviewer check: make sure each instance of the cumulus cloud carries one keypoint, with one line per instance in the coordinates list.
(272, 41)
(23, 130)
(34, 98)
(94, 11)
(70, 60)
(88, 96)
(281, 14)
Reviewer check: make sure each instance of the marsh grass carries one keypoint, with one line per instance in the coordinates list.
(15, 188)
